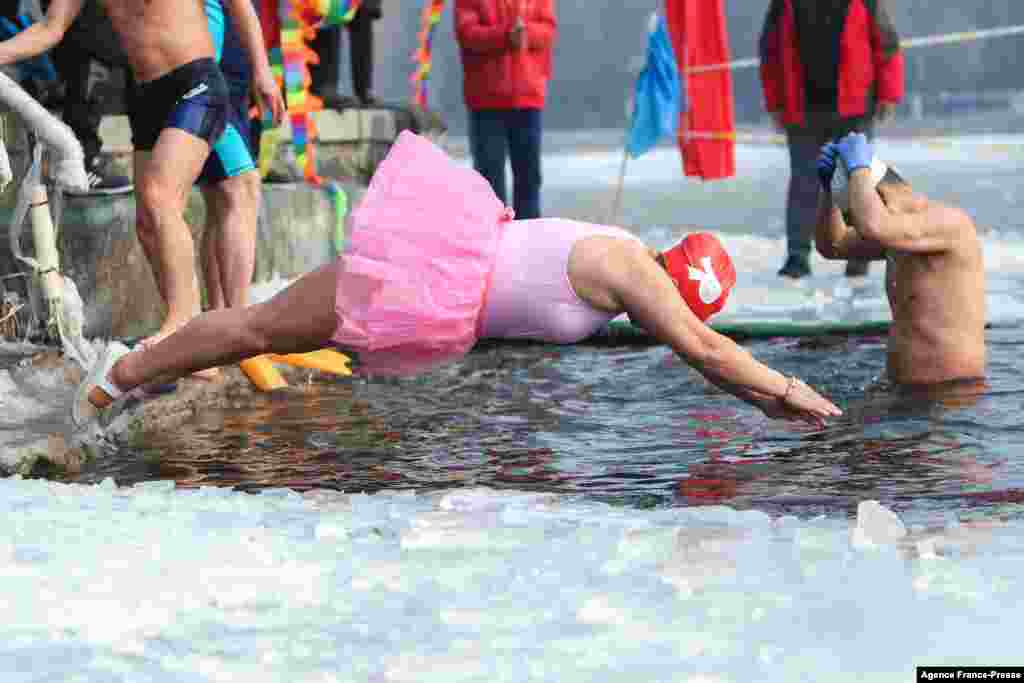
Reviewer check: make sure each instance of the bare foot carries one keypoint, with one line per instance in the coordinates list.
(209, 374)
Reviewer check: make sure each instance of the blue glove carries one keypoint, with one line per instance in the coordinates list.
(855, 151)
(826, 165)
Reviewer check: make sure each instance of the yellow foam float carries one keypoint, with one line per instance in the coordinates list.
(261, 372)
(326, 360)
(266, 377)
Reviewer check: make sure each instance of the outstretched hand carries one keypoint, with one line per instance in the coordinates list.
(801, 402)
(855, 150)
(826, 165)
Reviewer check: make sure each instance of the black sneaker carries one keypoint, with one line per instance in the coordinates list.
(857, 267)
(368, 101)
(277, 178)
(339, 102)
(796, 267)
(103, 181)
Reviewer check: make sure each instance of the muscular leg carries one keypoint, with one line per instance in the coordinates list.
(229, 241)
(299, 319)
(163, 178)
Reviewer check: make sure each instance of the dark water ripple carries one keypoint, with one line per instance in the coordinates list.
(634, 426)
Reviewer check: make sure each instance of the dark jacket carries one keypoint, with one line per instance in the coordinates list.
(829, 56)
(371, 8)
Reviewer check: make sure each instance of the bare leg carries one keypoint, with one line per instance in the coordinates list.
(163, 178)
(299, 319)
(229, 242)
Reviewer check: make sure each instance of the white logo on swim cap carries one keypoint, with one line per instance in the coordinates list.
(710, 287)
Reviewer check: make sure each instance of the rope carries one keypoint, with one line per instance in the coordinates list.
(779, 139)
(922, 41)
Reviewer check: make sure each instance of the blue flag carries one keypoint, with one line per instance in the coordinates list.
(659, 97)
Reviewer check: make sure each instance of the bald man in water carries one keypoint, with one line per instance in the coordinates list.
(178, 110)
(935, 275)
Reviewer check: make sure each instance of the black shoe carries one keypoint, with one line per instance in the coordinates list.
(338, 102)
(857, 267)
(275, 178)
(368, 101)
(796, 267)
(102, 180)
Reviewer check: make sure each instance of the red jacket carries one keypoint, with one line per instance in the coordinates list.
(864, 47)
(498, 76)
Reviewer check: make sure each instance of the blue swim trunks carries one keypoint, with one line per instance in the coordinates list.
(231, 155)
(192, 97)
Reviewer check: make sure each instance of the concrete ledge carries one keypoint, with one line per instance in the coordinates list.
(100, 252)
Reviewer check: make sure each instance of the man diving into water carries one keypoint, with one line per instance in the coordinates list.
(935, 276)
(178, 111)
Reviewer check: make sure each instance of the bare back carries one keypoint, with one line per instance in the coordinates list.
(160, 35)
(938, 310)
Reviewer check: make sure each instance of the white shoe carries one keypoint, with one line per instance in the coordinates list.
(97, 392)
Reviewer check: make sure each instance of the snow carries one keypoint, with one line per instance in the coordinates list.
(151, 583)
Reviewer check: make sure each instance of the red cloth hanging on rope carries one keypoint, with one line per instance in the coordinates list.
(707, 128)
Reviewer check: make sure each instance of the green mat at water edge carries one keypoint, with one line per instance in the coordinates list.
(625, 332)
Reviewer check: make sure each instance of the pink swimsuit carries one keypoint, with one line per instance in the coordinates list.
(530, 296)
(433, 263)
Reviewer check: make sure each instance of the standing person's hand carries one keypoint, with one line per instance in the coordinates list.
(855, 151)
(826, 165)
(268, 95)
(800, 402)
(885, 112)
(517, 34)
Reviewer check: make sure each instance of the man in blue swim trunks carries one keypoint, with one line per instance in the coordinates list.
(178, 111)
(229, 182)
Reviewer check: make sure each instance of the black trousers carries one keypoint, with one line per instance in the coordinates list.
(327, 45)
(91, 37)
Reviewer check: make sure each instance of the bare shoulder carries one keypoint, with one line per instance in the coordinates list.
(611, 256)
(600, 266)
(953, 220)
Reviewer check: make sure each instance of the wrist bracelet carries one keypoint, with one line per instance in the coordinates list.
(789, 388)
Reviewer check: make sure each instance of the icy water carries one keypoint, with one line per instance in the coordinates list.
(556, 514)
(635, 425)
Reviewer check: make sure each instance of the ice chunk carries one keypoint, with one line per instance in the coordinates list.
(876, 525)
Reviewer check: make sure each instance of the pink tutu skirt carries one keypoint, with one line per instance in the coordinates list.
(412, 279)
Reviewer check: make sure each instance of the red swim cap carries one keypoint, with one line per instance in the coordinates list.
(703, 273)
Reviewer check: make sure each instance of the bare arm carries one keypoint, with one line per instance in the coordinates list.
(42, 35)
(835, 239)
(933, 228)
(632, 278)
(250, 33)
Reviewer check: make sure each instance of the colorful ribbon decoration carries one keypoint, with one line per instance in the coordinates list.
(423, 56)
(300, 20)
